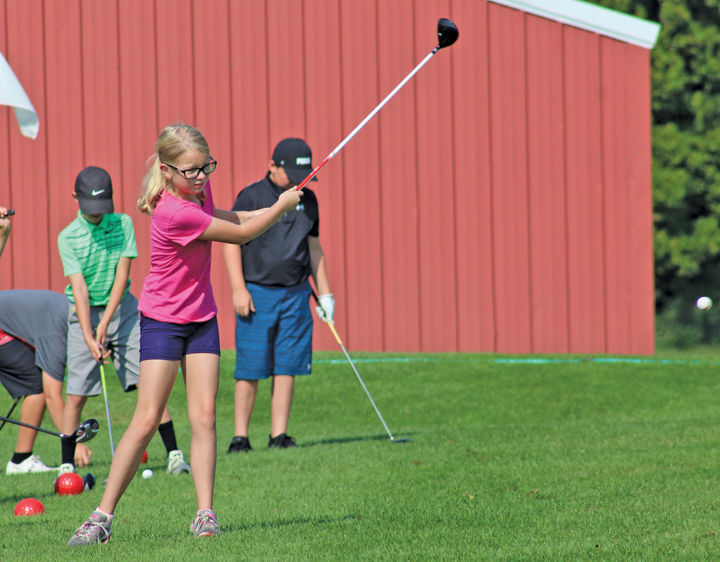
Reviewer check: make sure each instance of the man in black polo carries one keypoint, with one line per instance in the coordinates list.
(269, 279)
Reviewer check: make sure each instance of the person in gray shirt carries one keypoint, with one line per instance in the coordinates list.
(33, 340)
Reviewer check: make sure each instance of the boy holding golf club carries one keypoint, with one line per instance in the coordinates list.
(269, 280)
(96, 251)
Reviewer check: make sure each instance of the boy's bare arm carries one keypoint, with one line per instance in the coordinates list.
(82, 309)
(122, 274)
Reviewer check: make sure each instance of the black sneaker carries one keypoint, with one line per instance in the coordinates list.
(239, 445)
(282, 441)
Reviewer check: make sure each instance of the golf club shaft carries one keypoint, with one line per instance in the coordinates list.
(364, 122)
(35, 427)
(10, 411)
(107, 407)
(352, 364)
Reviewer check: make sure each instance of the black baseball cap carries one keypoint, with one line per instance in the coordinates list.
(93, 188)
(295, 157)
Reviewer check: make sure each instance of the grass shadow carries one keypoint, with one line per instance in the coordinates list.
(280, 523)
(14, 499)
(343, 440)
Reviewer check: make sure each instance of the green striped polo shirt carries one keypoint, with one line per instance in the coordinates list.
(94, 251)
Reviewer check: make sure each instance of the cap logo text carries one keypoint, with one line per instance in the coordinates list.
(302, 161)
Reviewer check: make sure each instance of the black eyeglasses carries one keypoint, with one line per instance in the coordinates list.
(192, 173)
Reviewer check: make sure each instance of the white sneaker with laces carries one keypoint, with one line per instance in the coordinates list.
(176, 463)
(30, 464)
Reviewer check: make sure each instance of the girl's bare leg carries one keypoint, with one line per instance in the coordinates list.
(156, 381)
(202, 373)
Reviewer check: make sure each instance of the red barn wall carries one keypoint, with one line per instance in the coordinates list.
(500, 202)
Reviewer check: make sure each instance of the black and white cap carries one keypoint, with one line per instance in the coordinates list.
(295, 157)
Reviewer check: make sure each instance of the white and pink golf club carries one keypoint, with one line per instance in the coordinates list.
(447, 35)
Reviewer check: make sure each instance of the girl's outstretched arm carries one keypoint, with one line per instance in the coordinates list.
(237, 217)
(225, 231)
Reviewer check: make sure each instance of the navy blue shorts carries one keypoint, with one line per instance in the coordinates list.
(276, 339)
(18, 372)
(172, 342)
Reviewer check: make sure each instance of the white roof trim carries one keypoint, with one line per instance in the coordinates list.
(592, 17)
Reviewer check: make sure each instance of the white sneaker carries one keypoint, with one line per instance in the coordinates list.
(30, 464)
(66, 467)
(176, 463)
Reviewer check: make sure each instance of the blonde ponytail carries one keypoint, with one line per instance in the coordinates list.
(153, 185)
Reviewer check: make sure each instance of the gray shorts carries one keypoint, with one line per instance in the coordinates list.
(123, 338)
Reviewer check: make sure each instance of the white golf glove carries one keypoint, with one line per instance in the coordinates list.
(326, 310)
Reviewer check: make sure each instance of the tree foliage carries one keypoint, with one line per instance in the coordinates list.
(686, 146)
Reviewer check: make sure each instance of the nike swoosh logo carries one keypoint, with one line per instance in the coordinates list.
(97, 192)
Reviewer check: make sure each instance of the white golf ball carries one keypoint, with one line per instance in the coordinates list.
(147, 474)
(704, 303)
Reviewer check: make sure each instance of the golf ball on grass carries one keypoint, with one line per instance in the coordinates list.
(147, 474)
(29, 507)
(703, 303)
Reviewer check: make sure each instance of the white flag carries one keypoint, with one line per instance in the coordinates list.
(12, 94)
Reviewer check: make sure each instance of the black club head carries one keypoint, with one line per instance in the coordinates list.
(86, 430)
(447, 33)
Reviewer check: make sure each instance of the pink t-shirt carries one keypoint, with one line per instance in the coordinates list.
(177, 289)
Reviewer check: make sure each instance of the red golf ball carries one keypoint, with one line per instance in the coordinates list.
(69, 484)
(28, 507)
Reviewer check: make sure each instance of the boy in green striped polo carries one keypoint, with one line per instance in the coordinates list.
(96, 251)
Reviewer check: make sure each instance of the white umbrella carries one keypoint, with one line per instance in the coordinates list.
(12, 94)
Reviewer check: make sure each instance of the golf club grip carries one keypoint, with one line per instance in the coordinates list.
(312, 174)
(331, 325)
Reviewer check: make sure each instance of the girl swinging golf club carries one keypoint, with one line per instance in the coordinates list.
(178, 317)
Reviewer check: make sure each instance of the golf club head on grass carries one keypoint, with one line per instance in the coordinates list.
(401, 440)
(86, 430)
(447, 33)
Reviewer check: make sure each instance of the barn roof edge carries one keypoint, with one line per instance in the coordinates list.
(592, 17)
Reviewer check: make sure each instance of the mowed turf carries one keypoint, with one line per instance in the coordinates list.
(510, 459)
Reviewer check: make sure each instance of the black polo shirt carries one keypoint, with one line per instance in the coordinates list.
(280, 256)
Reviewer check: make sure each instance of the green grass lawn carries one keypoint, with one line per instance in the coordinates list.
(510, 459)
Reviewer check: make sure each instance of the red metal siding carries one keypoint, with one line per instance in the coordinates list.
(546, 186)
(138, 115)
(500, 202)
(510, 205)
(400, 298)
(583, 149)
(62, 132)
(641, 295)
(361, 214)
(627, 206)
(473, 186)
(28, 168)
